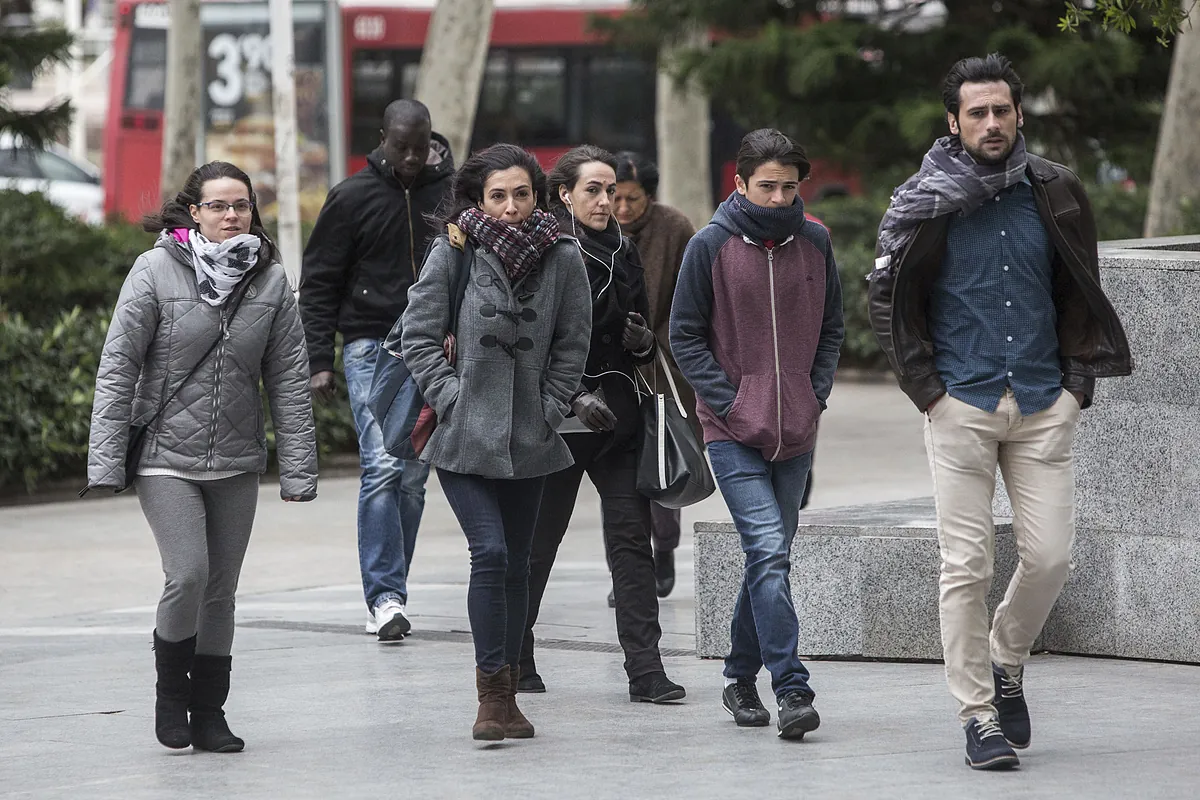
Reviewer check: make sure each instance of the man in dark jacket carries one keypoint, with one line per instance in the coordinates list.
(757, 328)
(363, 255)
(986, 298)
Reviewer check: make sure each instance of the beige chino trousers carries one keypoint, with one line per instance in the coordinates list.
(964, 445)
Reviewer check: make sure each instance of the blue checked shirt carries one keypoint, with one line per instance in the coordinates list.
(991, 311)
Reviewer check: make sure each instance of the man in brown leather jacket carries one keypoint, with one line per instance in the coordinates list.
(986, 297)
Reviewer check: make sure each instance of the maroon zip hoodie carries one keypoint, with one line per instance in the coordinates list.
(756, 328)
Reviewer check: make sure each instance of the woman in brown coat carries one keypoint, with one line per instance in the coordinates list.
(661, 234)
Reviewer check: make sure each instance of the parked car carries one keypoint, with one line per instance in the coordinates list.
(69, 183)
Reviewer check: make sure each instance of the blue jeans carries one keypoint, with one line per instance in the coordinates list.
(391, 497)
(498, 518)
(764, 499)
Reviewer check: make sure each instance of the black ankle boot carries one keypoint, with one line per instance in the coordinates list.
(172, 691)
(210, 688)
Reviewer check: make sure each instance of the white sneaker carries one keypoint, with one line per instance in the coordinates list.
(390, 622)
(371, 627)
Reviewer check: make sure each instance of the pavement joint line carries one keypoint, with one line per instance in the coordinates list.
(458, 637)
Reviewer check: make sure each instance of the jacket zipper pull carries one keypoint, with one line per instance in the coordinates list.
(224, 326)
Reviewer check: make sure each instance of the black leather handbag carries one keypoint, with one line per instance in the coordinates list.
(672, 469)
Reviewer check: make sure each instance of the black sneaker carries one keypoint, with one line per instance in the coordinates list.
(655, 688)
(664, 572)
(797, 716)
(742, 702)
(1010, 705)
(531, 684)
(987, 748)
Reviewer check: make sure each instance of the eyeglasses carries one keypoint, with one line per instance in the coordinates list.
(220, 207)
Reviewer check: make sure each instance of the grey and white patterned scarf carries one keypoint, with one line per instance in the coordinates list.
(949, 181)
(220, 266)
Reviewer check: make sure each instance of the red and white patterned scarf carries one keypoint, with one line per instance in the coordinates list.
(518, 248)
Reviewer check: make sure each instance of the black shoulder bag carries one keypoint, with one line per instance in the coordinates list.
(137, 433)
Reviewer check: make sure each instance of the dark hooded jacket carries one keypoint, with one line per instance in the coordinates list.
(366, 251)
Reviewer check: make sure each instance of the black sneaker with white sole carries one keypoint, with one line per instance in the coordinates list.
(987, 747)
(742, 702)
(797, 716)
(1011, 710)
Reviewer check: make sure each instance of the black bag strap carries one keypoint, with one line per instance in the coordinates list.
(232, 309)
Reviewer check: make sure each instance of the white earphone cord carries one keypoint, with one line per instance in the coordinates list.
(612, 265)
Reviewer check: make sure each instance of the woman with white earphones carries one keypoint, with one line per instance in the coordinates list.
(606, 425)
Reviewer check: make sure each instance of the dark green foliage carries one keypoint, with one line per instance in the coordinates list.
(867, 93)
(48, 375)
(49, 262)
(32, 51)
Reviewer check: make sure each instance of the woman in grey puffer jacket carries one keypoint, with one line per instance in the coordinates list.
(210, 294)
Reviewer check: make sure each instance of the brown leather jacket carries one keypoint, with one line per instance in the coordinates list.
(1091, 340)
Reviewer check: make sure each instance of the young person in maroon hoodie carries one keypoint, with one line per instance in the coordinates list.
(756, 328)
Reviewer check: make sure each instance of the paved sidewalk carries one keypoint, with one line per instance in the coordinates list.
(329, 713)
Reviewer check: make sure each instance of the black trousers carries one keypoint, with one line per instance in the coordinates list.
(665, 527)
(626, 519)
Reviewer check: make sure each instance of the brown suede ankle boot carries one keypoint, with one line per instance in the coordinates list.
(493, 704)
(517, 727)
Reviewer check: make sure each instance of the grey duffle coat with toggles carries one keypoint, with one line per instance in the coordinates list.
(521, 354)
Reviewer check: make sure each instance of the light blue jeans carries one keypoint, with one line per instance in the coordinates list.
(764, 499)
(391, 497)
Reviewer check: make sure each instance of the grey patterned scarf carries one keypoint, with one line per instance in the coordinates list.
(949, 181)
(220, 266)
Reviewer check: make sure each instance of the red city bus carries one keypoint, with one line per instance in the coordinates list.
(548, 85)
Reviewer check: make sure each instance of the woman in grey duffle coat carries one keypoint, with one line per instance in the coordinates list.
(520, 348)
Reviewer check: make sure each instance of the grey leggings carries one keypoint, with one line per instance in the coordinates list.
(202, 529)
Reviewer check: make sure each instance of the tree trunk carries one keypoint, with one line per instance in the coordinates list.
(452, 65)
(182, 113)
(1177, 158)
(683, 125)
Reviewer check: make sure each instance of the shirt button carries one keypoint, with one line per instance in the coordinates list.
(1010, 338)
(606, 339)
(1006, 267)
(1010, 374)
(1003, 233)
(1008, 302)
(997, 198)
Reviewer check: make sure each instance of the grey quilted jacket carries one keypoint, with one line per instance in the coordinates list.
(521, 355)
(159, 329)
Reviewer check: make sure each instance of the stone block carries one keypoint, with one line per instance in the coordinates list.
(1130, 596)
(864, 581)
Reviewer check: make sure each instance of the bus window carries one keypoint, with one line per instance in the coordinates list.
(619, 112)
(539, 98)
(147, 70)
(379, 77)
(523, 100)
